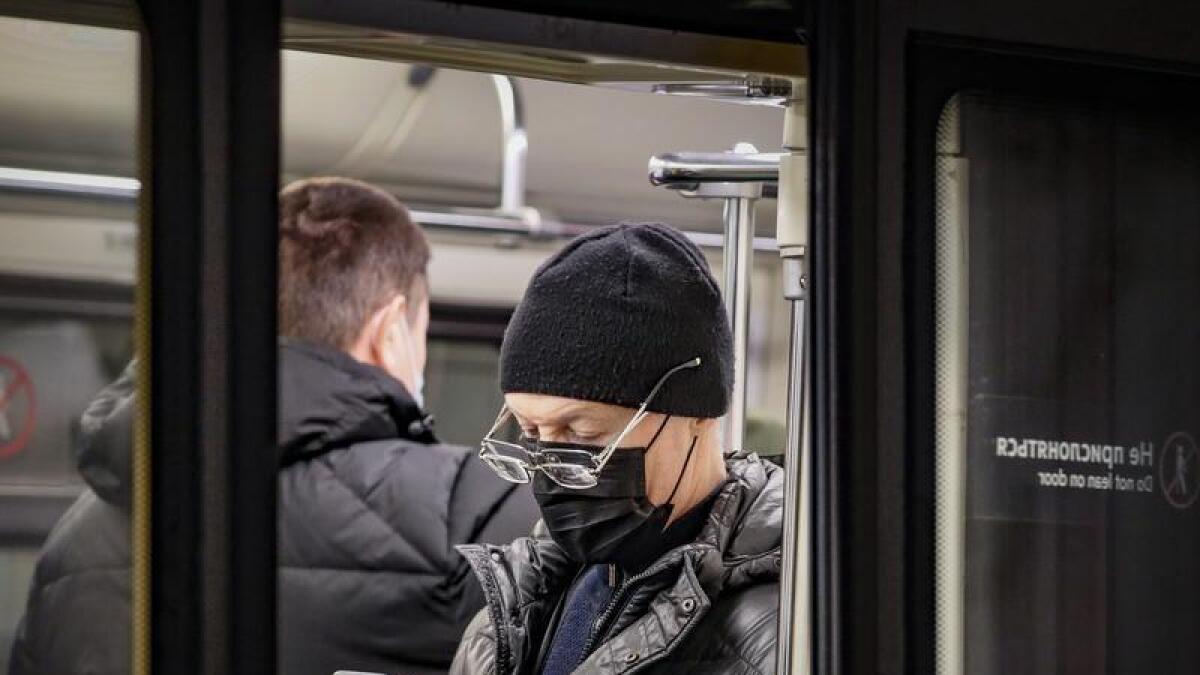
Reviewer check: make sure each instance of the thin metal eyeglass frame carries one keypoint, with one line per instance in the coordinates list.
(600, 460)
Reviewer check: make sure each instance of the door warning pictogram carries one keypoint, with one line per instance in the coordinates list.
(18, 408)
(1177, 471)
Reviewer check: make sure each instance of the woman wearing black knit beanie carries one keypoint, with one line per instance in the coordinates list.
(656, 548)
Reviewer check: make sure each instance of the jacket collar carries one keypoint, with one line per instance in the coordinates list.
(328, 399)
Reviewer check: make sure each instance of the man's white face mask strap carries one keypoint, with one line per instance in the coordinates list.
(416, 374)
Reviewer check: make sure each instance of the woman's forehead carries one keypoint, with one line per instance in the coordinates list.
(545, 410)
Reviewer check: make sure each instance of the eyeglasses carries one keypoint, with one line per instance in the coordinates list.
(569, 467)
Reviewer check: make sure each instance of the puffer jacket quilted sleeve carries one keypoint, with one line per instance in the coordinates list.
(77, 617)
(477, 651)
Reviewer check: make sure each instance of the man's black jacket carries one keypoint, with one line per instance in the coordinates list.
(370, 509)
(708, 607)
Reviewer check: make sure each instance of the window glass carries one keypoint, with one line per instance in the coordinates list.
(1068, 384)
(357, 485)
(463, 387)
(68, 104)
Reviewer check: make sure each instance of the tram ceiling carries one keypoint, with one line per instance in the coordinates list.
(550, 47)
(500, 40)
(544, 64)
(449, 157)
(708, 60)
(772, 20)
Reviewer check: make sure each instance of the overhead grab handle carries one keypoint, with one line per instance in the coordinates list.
(514, 144)
(686, 170)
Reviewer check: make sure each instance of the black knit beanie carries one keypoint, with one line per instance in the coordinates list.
(611, 313)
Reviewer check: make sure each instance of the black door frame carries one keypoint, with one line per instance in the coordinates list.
(940, 67)
(210, 155)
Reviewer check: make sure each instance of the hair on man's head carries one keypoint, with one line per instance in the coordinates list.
(345, 249)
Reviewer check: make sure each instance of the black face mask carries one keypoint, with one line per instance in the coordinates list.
(613, 521)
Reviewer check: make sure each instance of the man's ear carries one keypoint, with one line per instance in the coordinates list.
(374, 344)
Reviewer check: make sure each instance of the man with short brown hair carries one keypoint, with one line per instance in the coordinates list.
(346, 250)
(370, 505)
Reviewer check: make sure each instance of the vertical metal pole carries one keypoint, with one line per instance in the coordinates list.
(795, 621)
(737, 177)
(739, 264)
(795, 654)
(729, 264)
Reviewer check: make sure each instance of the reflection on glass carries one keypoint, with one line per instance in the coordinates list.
(67, 103)
(463, 387)
(1068, 388)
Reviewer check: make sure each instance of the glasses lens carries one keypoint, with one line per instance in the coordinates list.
(510, 469)
(567, 456)
(503, 451)
(571, 476)
(506, 429)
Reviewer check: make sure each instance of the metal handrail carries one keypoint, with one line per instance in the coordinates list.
(73, 184)
(515, 143)
(685, 170)
(475, 220)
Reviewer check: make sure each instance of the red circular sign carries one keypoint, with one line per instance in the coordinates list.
(15, 388)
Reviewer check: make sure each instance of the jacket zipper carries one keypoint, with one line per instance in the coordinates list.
(495, 601)
(508, 616)
(618, 596)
